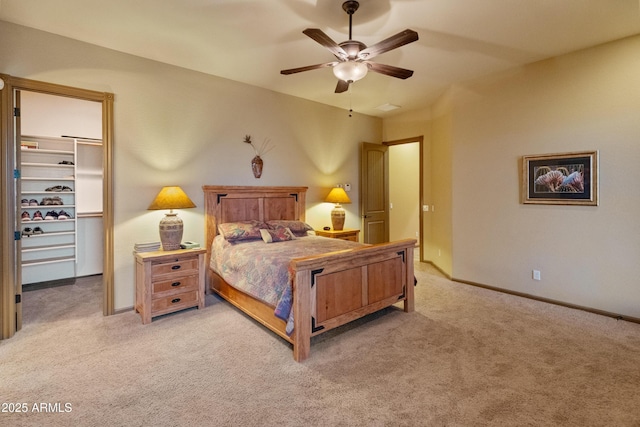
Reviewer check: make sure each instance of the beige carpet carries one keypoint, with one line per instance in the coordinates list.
(466, 357)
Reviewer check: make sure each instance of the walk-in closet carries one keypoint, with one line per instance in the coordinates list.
(61, 172)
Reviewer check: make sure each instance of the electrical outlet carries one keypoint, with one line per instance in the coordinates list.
(536, 275)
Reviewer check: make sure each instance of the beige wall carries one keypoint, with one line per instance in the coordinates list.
(588, 256)
(174, 126)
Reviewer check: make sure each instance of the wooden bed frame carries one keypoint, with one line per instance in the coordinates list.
(329, 290)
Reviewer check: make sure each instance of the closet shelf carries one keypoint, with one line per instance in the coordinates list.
(49, 207)
(47, 247)
(53, 193)
(46, 221)
(47, 165)
(49, 234)
(43, 178)
(89, 173)
(48, 261)
(90, 143)
(47, 151)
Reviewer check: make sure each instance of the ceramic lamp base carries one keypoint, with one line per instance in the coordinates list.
(337, 217)
(171, 232)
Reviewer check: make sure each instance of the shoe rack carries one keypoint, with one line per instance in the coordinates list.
(48, 207)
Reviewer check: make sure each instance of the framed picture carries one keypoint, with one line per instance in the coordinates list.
(561, 179)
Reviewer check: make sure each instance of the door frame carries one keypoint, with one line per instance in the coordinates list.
(9, 322)
(420, 141)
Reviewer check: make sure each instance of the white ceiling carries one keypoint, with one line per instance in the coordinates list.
(252, 40)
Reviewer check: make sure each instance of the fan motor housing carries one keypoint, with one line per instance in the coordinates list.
(353, 48)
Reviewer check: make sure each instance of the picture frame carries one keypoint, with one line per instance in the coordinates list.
(560, 179)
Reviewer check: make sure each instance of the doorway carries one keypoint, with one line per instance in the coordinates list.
(11, 230)
(404, 191)
(375, 183)
(60, 147)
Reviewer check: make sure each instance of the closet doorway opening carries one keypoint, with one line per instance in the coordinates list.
(405, 190)
(58, 141)
(60, 192)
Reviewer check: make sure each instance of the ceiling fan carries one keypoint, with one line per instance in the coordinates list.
(354, 57)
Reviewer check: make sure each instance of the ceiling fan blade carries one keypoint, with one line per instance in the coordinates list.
(342, 86)
(389, 70)
(308, 68)
(400, 39)
(326, 41)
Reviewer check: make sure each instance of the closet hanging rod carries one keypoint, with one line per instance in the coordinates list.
(89, 215)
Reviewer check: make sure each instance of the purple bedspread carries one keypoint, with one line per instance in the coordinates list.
(262, 270)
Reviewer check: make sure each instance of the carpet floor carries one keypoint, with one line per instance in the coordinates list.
(466, 357)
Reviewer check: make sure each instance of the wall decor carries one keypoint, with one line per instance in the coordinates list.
(561, 179)
(257, 163)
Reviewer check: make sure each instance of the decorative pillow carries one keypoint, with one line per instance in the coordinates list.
(241, 230)
(280, 234)
(298, 228)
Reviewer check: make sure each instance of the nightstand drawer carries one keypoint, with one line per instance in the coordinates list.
(174, 302)
(178, 284)
(177, 266)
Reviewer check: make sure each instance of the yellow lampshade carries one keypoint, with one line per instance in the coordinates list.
(337, 195)
(171, 198)
(171, 225)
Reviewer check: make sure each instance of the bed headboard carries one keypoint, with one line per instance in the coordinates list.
(243, 203)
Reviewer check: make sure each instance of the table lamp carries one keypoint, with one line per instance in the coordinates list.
(337, 195)
(171, 225)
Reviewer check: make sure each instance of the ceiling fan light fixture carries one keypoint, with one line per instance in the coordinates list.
(350, 71)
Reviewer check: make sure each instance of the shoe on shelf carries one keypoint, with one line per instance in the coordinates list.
(24, 202)
(33, 202)
(65, 162)
(25, 216)
(38, 230)
(56, 200)
(45, 201)
(57, 188)
(37, 216)
(27, 231)
(64, 215)
(65, 188)
(51, 215)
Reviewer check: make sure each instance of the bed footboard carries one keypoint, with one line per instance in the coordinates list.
(333, 289)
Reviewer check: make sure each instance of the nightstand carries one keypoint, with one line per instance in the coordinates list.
(169, 281)
(346, 234)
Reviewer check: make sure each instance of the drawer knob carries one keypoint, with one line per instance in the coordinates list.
(175, 267)
(174, 284)
(175, 300)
